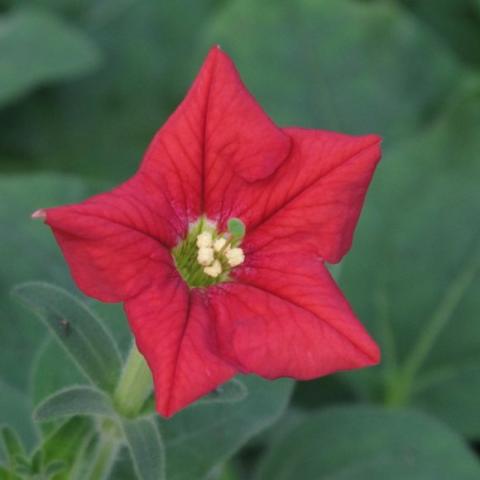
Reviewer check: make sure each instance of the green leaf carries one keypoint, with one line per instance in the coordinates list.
(62, 372)
(366, 443)
(11, 442)
(348, 66)
(37, 461)
(102, 124)
(36, 47)
(66, 443)
(77, 329)
(215, 431)
(457, 23)
(80, 400)
(28, 253)
(15, 411)
(414, 273)
(7, 475)
(54, 468)
(230, 392)
(146, 448)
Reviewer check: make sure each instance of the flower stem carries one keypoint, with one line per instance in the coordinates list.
(134, 386)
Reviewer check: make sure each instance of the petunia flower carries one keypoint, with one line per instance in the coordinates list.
(217, 245)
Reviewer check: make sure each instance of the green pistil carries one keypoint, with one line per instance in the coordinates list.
(185, 253)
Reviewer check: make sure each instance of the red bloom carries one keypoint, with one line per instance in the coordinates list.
(274, 310)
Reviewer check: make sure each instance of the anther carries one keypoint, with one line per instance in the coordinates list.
(205, 256)
(219, 243)
(214, 270)
(204, 240)
(235, 256)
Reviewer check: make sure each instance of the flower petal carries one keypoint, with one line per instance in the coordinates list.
(321, 193)
(284, 316)
(116, 243)
(218, 125)
(313, 199)
(175, 334)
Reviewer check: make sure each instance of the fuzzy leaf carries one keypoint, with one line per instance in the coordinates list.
(22, 335)
(12, 443)
(80, 400)
(215, 431)
(146, 448)
(66, 444)
(15, 408)
(77, 329)
(230, 392)
(62, 372)
(54, 468)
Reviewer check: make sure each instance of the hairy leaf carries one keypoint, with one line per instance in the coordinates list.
(80, 400)
(77, 329)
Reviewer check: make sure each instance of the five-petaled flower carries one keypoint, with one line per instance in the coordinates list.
(206, 300)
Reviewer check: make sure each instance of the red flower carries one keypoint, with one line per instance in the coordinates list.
(265, 304)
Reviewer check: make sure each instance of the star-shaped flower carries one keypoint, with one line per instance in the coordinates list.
(216, 246)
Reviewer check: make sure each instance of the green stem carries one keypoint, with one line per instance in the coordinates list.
(134, 386)
(106, 452)
(401, 387)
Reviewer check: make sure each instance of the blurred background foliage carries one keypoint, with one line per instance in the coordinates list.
(84, 84)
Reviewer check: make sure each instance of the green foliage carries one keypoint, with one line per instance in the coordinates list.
(49, 357)
(37, 48)
(216, 426)
(15, 411)
(77, 329)
(83, 87)
(146, 448)
(101, 125)
(344, 66)
(65, 443)
(28, 253)
(364, 443)
(12, 446)
(231, 392)
(214, 431)
(413, 275)
(457, 22)
(81, 400)
(53, 458)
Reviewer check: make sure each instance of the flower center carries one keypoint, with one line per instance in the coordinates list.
(206, 257)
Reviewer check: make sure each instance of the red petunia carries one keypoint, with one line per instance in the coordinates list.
(264, 303)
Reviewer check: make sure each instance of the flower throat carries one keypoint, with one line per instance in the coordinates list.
(206, 257)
